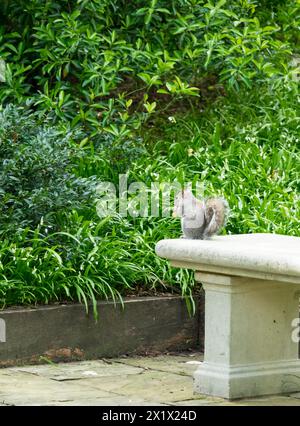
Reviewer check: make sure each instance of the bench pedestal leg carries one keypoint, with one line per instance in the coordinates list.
(251, 333)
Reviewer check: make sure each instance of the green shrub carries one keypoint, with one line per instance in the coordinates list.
(118, 70)
(99, 63)
(245, 148)
(36, 172)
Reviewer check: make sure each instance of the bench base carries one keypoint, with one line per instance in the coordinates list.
(251, 347)
(248, 380)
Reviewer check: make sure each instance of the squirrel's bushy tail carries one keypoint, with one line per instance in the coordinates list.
(216, 214)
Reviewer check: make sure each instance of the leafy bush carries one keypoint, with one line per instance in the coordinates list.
(142, 80)
(245, 148)
(36, 175)
(98, 62)
(93, 260)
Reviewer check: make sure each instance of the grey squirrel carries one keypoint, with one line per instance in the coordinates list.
(200, 219)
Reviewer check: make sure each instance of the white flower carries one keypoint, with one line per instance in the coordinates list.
(172, 119)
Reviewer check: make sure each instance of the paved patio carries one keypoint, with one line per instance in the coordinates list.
(159, 380)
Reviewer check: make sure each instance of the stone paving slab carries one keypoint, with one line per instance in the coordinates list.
(202, 402)
(150, 381)
(151, 385)
(19, 388)
(183, 365)
(112, 401)
(79, 370)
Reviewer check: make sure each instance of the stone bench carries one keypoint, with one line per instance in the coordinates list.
(251, 284)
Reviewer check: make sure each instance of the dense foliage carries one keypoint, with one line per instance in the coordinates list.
(36, 174)
(184, 90)
(98, 61)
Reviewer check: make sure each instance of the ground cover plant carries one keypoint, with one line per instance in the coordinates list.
(185, 90)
